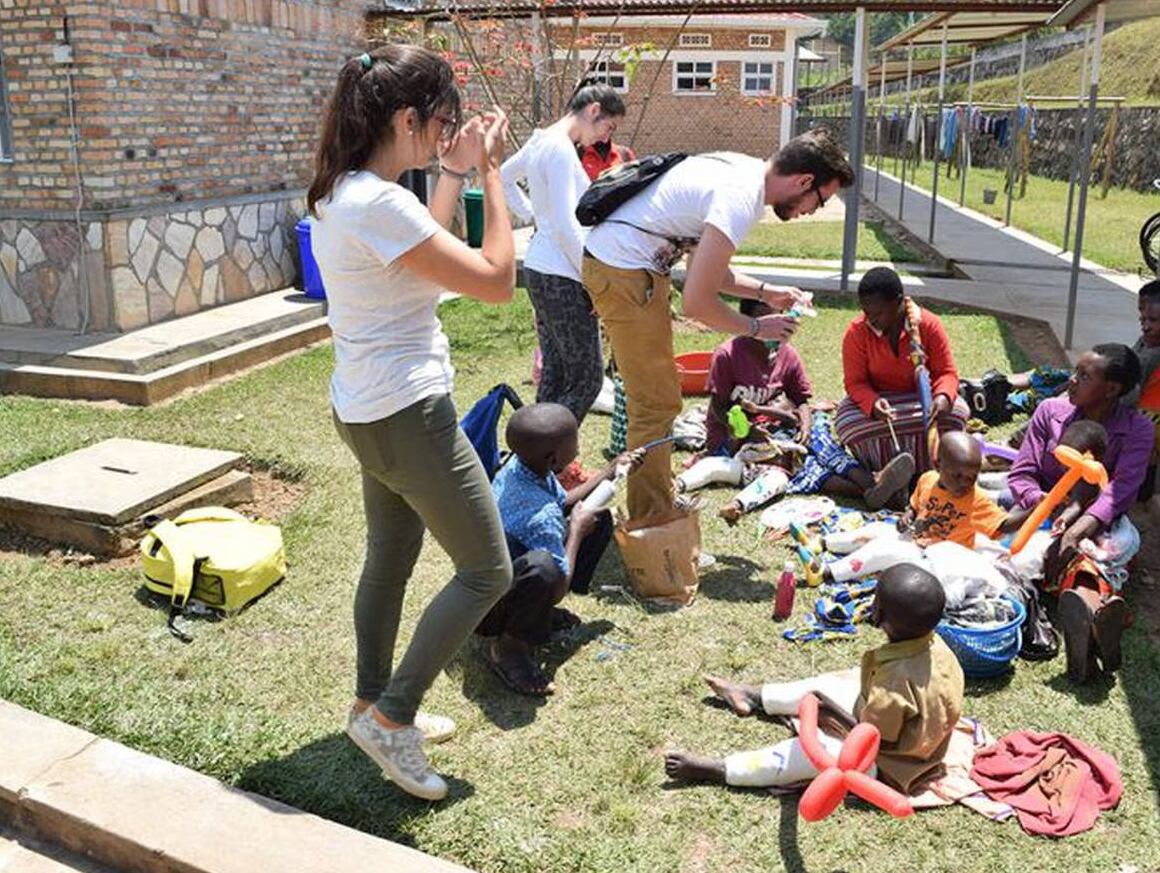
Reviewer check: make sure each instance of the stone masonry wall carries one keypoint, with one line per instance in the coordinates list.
(144, 269)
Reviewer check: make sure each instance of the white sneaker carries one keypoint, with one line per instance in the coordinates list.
(435, 728)
(399, 752)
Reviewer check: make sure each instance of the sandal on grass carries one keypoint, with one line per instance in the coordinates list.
(564, 619)
(521, 676)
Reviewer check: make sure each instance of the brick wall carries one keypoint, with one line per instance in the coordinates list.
(197, 122)
(726, 119)
(175, 99)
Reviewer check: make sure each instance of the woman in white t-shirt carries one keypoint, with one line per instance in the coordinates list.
(566, 324)
(385, 259)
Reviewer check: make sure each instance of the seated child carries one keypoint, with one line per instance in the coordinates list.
(937, 532)
(911, 689)
(768, 381)
(555, 543)
(1091, 611)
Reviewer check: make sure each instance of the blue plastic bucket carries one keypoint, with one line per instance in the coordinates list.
(311, 278)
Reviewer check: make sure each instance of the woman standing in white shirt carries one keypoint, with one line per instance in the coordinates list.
(385, 259)
(566, 324)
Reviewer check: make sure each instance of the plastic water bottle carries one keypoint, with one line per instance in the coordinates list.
(604, 493)
(786, 587)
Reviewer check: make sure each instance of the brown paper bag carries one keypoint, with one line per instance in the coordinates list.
(661, 559)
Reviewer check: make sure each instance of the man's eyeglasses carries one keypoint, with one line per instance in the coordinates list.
(821, 200)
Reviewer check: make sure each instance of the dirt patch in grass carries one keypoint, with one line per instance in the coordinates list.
(274, 497)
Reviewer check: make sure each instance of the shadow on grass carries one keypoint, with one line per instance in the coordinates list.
(331, 778)
(503, 707)
(734, 579)
(895, 248)
(986, 687)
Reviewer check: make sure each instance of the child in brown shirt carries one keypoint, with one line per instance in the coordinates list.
(911, 689)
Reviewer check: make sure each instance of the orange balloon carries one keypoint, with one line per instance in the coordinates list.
(835, 778)
(860, 748)
(808, 734)
(878, 793)
(1076, 467)
(823, 795)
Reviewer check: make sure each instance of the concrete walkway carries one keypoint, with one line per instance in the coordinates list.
(1013, 271)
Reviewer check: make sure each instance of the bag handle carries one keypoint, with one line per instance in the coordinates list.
(184, 567)
(209, 513)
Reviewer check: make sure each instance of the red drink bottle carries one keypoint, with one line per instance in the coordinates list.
(786, 587)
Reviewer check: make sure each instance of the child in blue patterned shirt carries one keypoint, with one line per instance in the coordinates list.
(555, 542)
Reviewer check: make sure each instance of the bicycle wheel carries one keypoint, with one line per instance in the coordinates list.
(1150, 243)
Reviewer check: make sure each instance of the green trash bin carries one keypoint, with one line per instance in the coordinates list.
(473, 206)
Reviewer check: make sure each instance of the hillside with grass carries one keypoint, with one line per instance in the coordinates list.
(1130, 69)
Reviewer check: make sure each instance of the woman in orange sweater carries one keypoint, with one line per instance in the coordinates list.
(879, 355)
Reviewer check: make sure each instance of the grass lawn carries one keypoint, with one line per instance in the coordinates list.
(1111, 231)
(823, 240)
(573, 784)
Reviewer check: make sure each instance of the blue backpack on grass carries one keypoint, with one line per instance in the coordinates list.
(481, 424)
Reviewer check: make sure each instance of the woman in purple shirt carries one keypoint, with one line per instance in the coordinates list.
(1089, 610)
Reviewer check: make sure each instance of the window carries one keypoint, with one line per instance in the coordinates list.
(757, 77)
(607, 73)
(608, 40)
(696, 40)
(5, 125)
(760, 41)
(694, 77)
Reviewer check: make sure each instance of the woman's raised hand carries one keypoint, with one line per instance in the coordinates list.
(495, 127)
(462, 152)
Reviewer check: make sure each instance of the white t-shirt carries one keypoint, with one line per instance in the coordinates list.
(724, 189)
(556, 179)
(389, 348)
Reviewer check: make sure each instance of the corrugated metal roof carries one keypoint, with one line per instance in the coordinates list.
(967, 28)
(520, 8)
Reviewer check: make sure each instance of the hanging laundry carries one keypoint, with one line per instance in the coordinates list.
(950, 131)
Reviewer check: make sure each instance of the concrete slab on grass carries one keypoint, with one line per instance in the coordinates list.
(113, 481)
(134, 812)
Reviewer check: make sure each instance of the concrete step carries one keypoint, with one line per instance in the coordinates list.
(140, 814)
(164, 345)
(20, 853)
(145, 389)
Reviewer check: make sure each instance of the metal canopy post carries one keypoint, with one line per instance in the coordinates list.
(1085, 173)
(965, 150)
(1083, 86)
(905, 130)
(1014, 132)
(881, 119)
(857, 146)
(938, 128)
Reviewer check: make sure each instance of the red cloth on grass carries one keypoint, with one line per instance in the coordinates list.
(1057, 784)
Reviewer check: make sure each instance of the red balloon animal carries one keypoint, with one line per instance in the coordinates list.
(848, 773)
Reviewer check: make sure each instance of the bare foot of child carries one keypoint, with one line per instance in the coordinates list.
(731, 512)
(693, 768)
(742, 699)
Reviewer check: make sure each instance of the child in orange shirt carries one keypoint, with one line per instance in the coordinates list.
(947, 510)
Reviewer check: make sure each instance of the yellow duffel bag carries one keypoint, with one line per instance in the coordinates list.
(212, 555)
